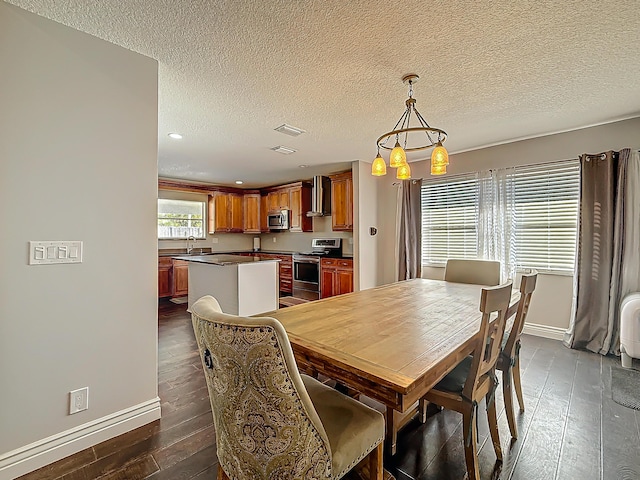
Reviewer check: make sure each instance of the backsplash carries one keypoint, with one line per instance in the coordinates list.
(284, 241)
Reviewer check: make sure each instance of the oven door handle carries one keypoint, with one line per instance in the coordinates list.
(296, 260)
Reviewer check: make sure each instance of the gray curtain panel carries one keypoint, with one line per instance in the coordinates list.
(607, 252)
(410, 230)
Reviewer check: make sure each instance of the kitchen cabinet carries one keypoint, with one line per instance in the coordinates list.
(165, 269)
(278, 200)
(226, 212)
(336, 276)
(180, 278)
(300, 202)
(295, 197)
(252, 213)
(263, 214)
(342, 201)
(285, 270)
(173, 277)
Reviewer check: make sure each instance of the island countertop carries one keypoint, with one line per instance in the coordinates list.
(223, 260)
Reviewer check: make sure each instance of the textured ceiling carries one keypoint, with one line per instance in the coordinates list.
(491, 72)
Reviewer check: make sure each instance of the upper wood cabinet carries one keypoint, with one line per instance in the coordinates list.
(226, 212)
(300, 203)
(233, 210)
(342, 201)
(278, 200)
(236, 205)
(252, 213)
(263, 213)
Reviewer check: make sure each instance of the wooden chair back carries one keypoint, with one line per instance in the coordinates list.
(527, 286)
(480, 272)
(494, 302)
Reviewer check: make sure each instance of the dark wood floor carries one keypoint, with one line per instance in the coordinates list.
(571, 428)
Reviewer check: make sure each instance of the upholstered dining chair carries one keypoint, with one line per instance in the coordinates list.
(481, 272)
(271, 422)
(474, 377)
(509, 359)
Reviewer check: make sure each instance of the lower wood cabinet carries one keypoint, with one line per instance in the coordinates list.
(285, 270)
(180, 278)
(336, 276)
(165, 270)
(173, 277)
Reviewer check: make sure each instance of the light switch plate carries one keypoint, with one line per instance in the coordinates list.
(49, 252)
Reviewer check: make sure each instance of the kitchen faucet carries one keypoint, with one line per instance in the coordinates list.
(190, 246)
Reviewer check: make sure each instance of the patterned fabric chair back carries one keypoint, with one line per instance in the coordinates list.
(266, 425)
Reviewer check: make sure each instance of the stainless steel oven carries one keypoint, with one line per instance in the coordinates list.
(306, 276)
(306, 267)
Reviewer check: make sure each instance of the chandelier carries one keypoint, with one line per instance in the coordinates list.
(411, 138)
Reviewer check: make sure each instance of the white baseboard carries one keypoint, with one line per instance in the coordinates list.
(554, 333)
(56, 447)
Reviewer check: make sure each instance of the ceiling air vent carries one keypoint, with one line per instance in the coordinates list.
(289, 130)
(283, 150)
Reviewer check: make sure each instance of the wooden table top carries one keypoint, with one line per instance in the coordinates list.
(396, 341)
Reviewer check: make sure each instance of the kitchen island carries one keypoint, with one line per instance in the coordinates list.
(243, 285)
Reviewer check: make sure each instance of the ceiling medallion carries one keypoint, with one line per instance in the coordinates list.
(411, 138)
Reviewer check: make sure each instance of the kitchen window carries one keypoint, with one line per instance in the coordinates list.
(180, 219)
(525, 217)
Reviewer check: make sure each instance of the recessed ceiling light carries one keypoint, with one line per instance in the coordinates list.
(239, 182)
(303, 166)
(289, 130)
(284, 150)
(177, 136)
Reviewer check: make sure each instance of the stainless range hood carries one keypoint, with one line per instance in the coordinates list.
(320, 197)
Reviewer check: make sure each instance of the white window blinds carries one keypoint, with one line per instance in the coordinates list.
(449, 219)
(546, 216)
(541, 203)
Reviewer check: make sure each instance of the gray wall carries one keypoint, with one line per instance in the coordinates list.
(78, 150)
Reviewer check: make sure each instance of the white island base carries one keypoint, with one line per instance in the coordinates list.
(244, 288)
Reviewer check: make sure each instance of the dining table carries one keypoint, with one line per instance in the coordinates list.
(392, 343)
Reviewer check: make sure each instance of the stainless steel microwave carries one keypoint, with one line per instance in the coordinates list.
(278, 220)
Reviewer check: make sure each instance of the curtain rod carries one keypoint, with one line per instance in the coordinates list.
(412, 180)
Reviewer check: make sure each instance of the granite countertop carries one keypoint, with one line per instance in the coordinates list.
(222, 260)
(182, 252)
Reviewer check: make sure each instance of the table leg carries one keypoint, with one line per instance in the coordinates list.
(392, 430)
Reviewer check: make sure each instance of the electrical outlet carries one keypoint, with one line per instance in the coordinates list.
(214, 240)
(78, 400)
(274, 239)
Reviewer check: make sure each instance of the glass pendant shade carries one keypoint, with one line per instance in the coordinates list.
(403, 172)
(378, 167)
(416, 134)
(398, 156)
(439, 156)
(438, 169)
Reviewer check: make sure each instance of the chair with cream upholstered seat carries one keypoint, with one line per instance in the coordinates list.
(481, 272)
(272, 422)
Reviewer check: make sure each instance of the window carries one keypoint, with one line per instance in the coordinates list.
(450, 219)
(541, 202)
(546, 216)
(180, 219)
